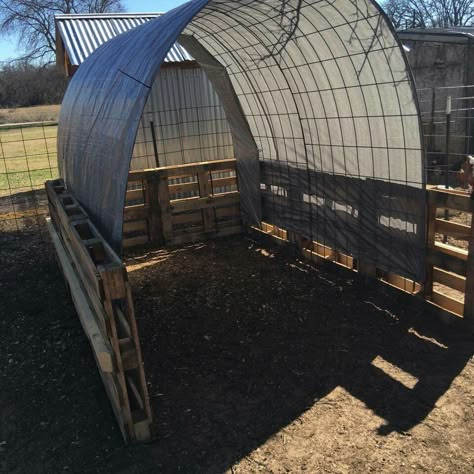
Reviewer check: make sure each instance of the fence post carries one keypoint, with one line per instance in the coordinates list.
(155, 230)
(205, 190)
(165, 207)
(469, 295)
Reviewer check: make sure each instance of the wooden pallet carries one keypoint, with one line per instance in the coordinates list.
(322, 254)
(447, 265)
(174, 205)
(102, 296)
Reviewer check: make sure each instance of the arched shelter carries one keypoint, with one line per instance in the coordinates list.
(318, 96)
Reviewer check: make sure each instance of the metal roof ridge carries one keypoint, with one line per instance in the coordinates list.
(81, 16)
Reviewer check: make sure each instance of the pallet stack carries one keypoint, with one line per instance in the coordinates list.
(101, 293)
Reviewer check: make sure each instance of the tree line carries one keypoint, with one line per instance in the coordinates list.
(23, 85)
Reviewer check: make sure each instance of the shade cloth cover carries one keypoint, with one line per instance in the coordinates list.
(320, 103)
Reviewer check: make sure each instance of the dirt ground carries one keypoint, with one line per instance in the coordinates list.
(256, 362)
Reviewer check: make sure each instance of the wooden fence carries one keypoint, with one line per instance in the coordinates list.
(179, 204)
(449, 265)
(102, 296)
(448, 268)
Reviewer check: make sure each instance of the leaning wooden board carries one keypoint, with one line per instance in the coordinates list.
(102, 296)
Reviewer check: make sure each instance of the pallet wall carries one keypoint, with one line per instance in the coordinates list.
(174, 205)
(450, 266)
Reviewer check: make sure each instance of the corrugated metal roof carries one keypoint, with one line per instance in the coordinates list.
(83, 34)
(448, 34)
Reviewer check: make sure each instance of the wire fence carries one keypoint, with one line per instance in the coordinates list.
(28, 157)
(448, 127)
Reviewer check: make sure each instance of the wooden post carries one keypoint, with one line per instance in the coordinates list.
(155, 232)
(430, 242)
(205, 190)
(469, 295)
(164, 202)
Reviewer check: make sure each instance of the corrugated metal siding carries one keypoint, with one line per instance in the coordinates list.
(83, 34)
(189, 122)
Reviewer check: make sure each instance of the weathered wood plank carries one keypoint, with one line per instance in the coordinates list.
(193, 204)
(135, 226)
(447, 303)
(458, 231)
(102, 352)
(452, 280)
(137, 212)
(451, 250)
(184, 170)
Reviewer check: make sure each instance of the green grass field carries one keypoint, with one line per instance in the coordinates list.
(28, 157)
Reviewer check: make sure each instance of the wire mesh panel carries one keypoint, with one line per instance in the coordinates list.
(327, 95)
(183, 122)
(448, 125)
(28, 158)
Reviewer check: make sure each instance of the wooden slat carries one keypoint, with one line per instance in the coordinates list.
(400, 282)
(183, 170)
(451, 200)
(129, 242)
(193, 204)
(229, 211)
(134, 195)
(223, 182)
(458, 231)
(447, 303)
(135, 226)
(452, 280)
(184, 188)
(137, 212)
(189, 218)
(446, 262)
(197, 236)
(451, 250)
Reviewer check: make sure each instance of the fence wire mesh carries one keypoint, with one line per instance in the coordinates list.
(447, 116)
(28, 157)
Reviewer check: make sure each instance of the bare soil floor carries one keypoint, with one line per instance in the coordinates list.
(256, 362)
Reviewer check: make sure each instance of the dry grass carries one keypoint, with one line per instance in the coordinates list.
(38, 113)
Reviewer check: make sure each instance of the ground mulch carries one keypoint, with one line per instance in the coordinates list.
(256, 361)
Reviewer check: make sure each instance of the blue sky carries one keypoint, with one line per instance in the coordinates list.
(8, 45)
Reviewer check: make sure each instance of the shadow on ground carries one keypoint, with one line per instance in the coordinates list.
(238, 342)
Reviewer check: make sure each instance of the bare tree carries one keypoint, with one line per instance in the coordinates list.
(430, 13)
(31, 22)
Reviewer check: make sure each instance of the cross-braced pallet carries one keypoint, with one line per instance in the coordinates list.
(102, 296)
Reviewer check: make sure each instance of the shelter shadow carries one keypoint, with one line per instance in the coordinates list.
(239, 341)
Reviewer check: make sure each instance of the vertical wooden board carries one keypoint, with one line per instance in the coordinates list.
(205, 189)
(164, 202)
(122, 385)
(155, 231)
(469, 295)
(430, 243)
